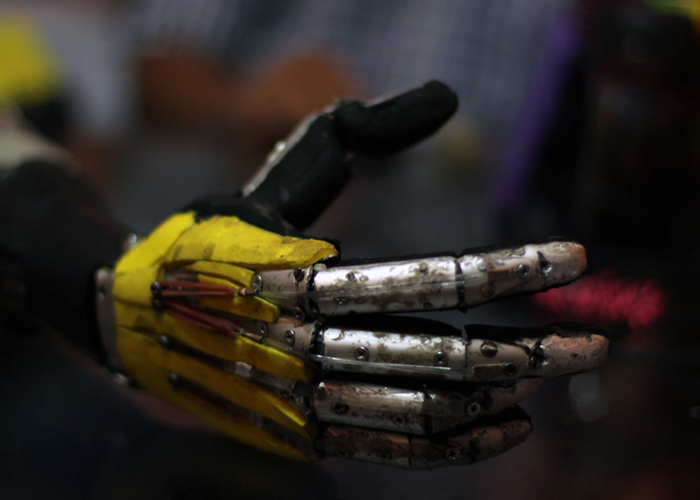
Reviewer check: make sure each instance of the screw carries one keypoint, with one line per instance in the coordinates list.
(298, 314)
(474, 408)
(453, 453)
(362, 353)
(257, 282)
(299, 274)
(509, 369)
(340, 408)
(164, 341)
(175, 380)
(156, 288)
(289, 337)
(489, 349)
(440, 358)
(523, 271)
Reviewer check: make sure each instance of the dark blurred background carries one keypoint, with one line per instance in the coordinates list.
(577, 118)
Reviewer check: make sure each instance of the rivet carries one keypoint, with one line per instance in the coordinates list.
(362, 353)
(489, 349)
(440, 358)
(453, 453)
(175, 380)
(299, 274)
(257, 282)
(289, 337)
(523, 271)
(164, 341)
(340, 408)
(509, 369)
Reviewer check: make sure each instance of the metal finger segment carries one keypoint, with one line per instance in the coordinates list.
(413, 452)
(527, 352)
(413, 411)
(429, 283)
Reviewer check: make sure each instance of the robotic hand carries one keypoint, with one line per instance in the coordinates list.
(228, 311)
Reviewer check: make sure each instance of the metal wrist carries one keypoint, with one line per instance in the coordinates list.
(106, 318)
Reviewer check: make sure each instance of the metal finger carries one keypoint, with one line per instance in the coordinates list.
(414, 411)
(430, 283)
(466, 447)
(485, 353)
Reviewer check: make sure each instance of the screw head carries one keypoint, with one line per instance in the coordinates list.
(340, 408)
(289, 337)
(164, 341)
(453, 453)
(473, 408)
(489, 349)
(175, 380)
(523, 271)
(441, 358)
(509, 369)
(362, 353)
(257, 282)
(298, 314)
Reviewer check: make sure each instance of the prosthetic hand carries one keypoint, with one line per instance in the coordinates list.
(229, 312)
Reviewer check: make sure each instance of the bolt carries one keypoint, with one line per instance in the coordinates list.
(299, 274)
(289, 337)
(523, 271)
(399, 421)
(474, 408)
(164, 341)
(340, 408)
(157, 305)
(440, 358)
(489, 349)
(453, 453)
(509, 369)
(362, 353)
(298, 314)
(257, 282)
(175, 380)
(156, 288)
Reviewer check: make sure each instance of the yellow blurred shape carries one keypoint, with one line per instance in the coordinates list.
(29, 72)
